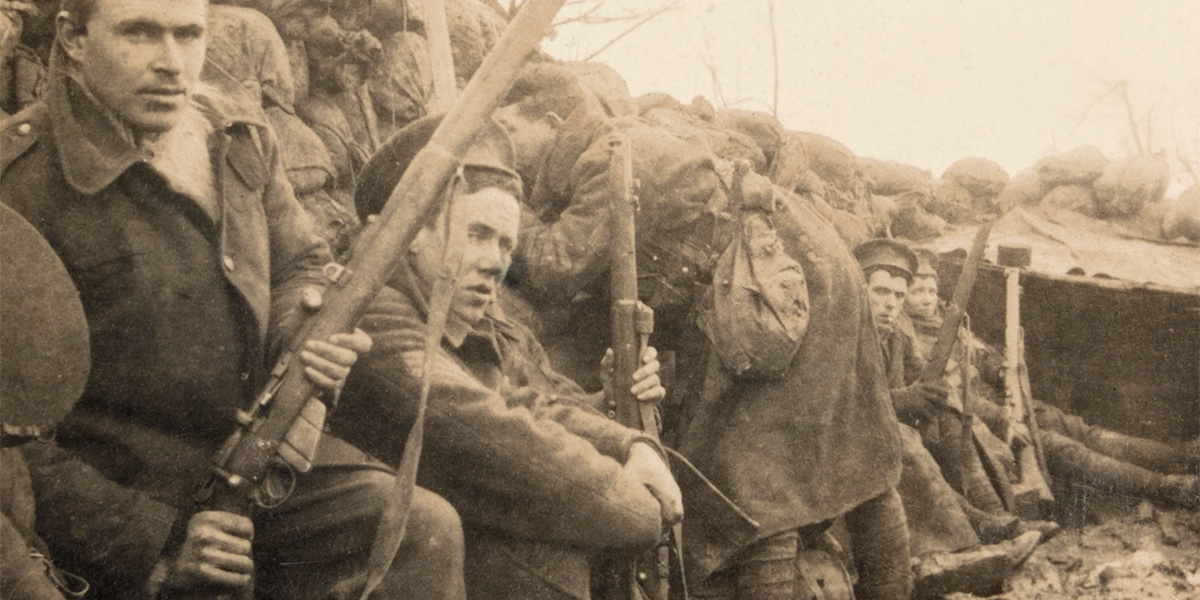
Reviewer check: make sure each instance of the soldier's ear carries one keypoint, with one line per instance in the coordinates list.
(70, 35)
(553, 120)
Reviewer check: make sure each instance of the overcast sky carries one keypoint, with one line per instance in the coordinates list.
(927, 81)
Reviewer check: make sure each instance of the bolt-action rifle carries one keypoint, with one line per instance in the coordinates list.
(279, 432)
(657, 574)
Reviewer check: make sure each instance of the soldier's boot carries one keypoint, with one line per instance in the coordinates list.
(1071, 460)
(981, 571)
(993, 528)
(1154, 455)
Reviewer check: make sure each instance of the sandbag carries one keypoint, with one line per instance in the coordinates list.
(830, 159)
(1128, 185)
(400, 90)
(606, 85)
(913, 223)
(761, 127)
(1079, 198)
(1181, 219)
(790, 167)
(646, 102)
(1079, 166)
(889, 178)
(306, 162)
(474, 29)
(980, 176)
(245, 45)
(951, 202)
(1024, 189)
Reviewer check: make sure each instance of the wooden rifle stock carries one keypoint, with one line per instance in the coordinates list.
(952, 320)
(262, 432)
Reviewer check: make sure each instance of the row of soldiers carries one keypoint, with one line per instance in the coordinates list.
(171, 207)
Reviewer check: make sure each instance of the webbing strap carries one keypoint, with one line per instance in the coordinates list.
(394, 520)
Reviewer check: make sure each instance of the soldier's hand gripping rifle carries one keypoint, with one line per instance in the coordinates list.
(632, 323)
(281, 429)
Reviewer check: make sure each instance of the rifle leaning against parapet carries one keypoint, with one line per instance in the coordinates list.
(281, 429)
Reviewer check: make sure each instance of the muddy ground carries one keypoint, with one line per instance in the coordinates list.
(1124, 551)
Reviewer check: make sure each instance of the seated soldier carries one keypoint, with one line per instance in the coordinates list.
(542, 480)
(950, 555)
(1075, 450)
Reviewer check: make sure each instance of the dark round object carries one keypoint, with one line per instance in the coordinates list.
(44, 345)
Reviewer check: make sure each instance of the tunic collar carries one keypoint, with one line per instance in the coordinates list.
(493, 323)
(95, 148)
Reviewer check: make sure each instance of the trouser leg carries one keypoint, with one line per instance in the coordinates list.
(1148, 454)
(315, 545)
(1071, 460)
(879, 536)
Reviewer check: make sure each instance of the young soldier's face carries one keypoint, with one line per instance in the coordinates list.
(886, 293)
(486, 224)
(141, 58)
(922, 297)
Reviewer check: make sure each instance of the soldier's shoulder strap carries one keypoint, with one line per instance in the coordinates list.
(20, 133)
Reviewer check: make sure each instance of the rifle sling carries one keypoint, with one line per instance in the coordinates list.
(394, 519)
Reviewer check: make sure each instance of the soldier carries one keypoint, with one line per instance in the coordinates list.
(542, 479)
(170, 211)
(1075, 450)
(950, 556)
(794, 453)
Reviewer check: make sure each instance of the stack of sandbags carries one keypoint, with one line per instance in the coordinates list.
(1024, 189)
(1127, 186)
(967, 190)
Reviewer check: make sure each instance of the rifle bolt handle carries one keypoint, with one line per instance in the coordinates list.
(311, 299)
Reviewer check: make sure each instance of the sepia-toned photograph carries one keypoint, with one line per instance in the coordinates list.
(599, 300)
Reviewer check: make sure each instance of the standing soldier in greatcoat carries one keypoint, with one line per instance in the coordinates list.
(795, 452)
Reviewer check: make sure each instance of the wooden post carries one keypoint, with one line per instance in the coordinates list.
(441, 59)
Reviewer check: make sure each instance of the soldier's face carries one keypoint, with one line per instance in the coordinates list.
(484, 227)
(922, 297)
(886, 292)
(140, 58)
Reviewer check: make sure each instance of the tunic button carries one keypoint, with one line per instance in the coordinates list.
(612, 414)
(228, 262)
(24, 128)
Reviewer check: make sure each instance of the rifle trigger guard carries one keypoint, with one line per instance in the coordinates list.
(276, 486)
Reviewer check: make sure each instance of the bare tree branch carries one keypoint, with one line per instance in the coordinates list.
(774, 59)
(1123, 86)
(645, 19)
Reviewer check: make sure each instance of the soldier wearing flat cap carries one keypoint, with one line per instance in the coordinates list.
(543, 481)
